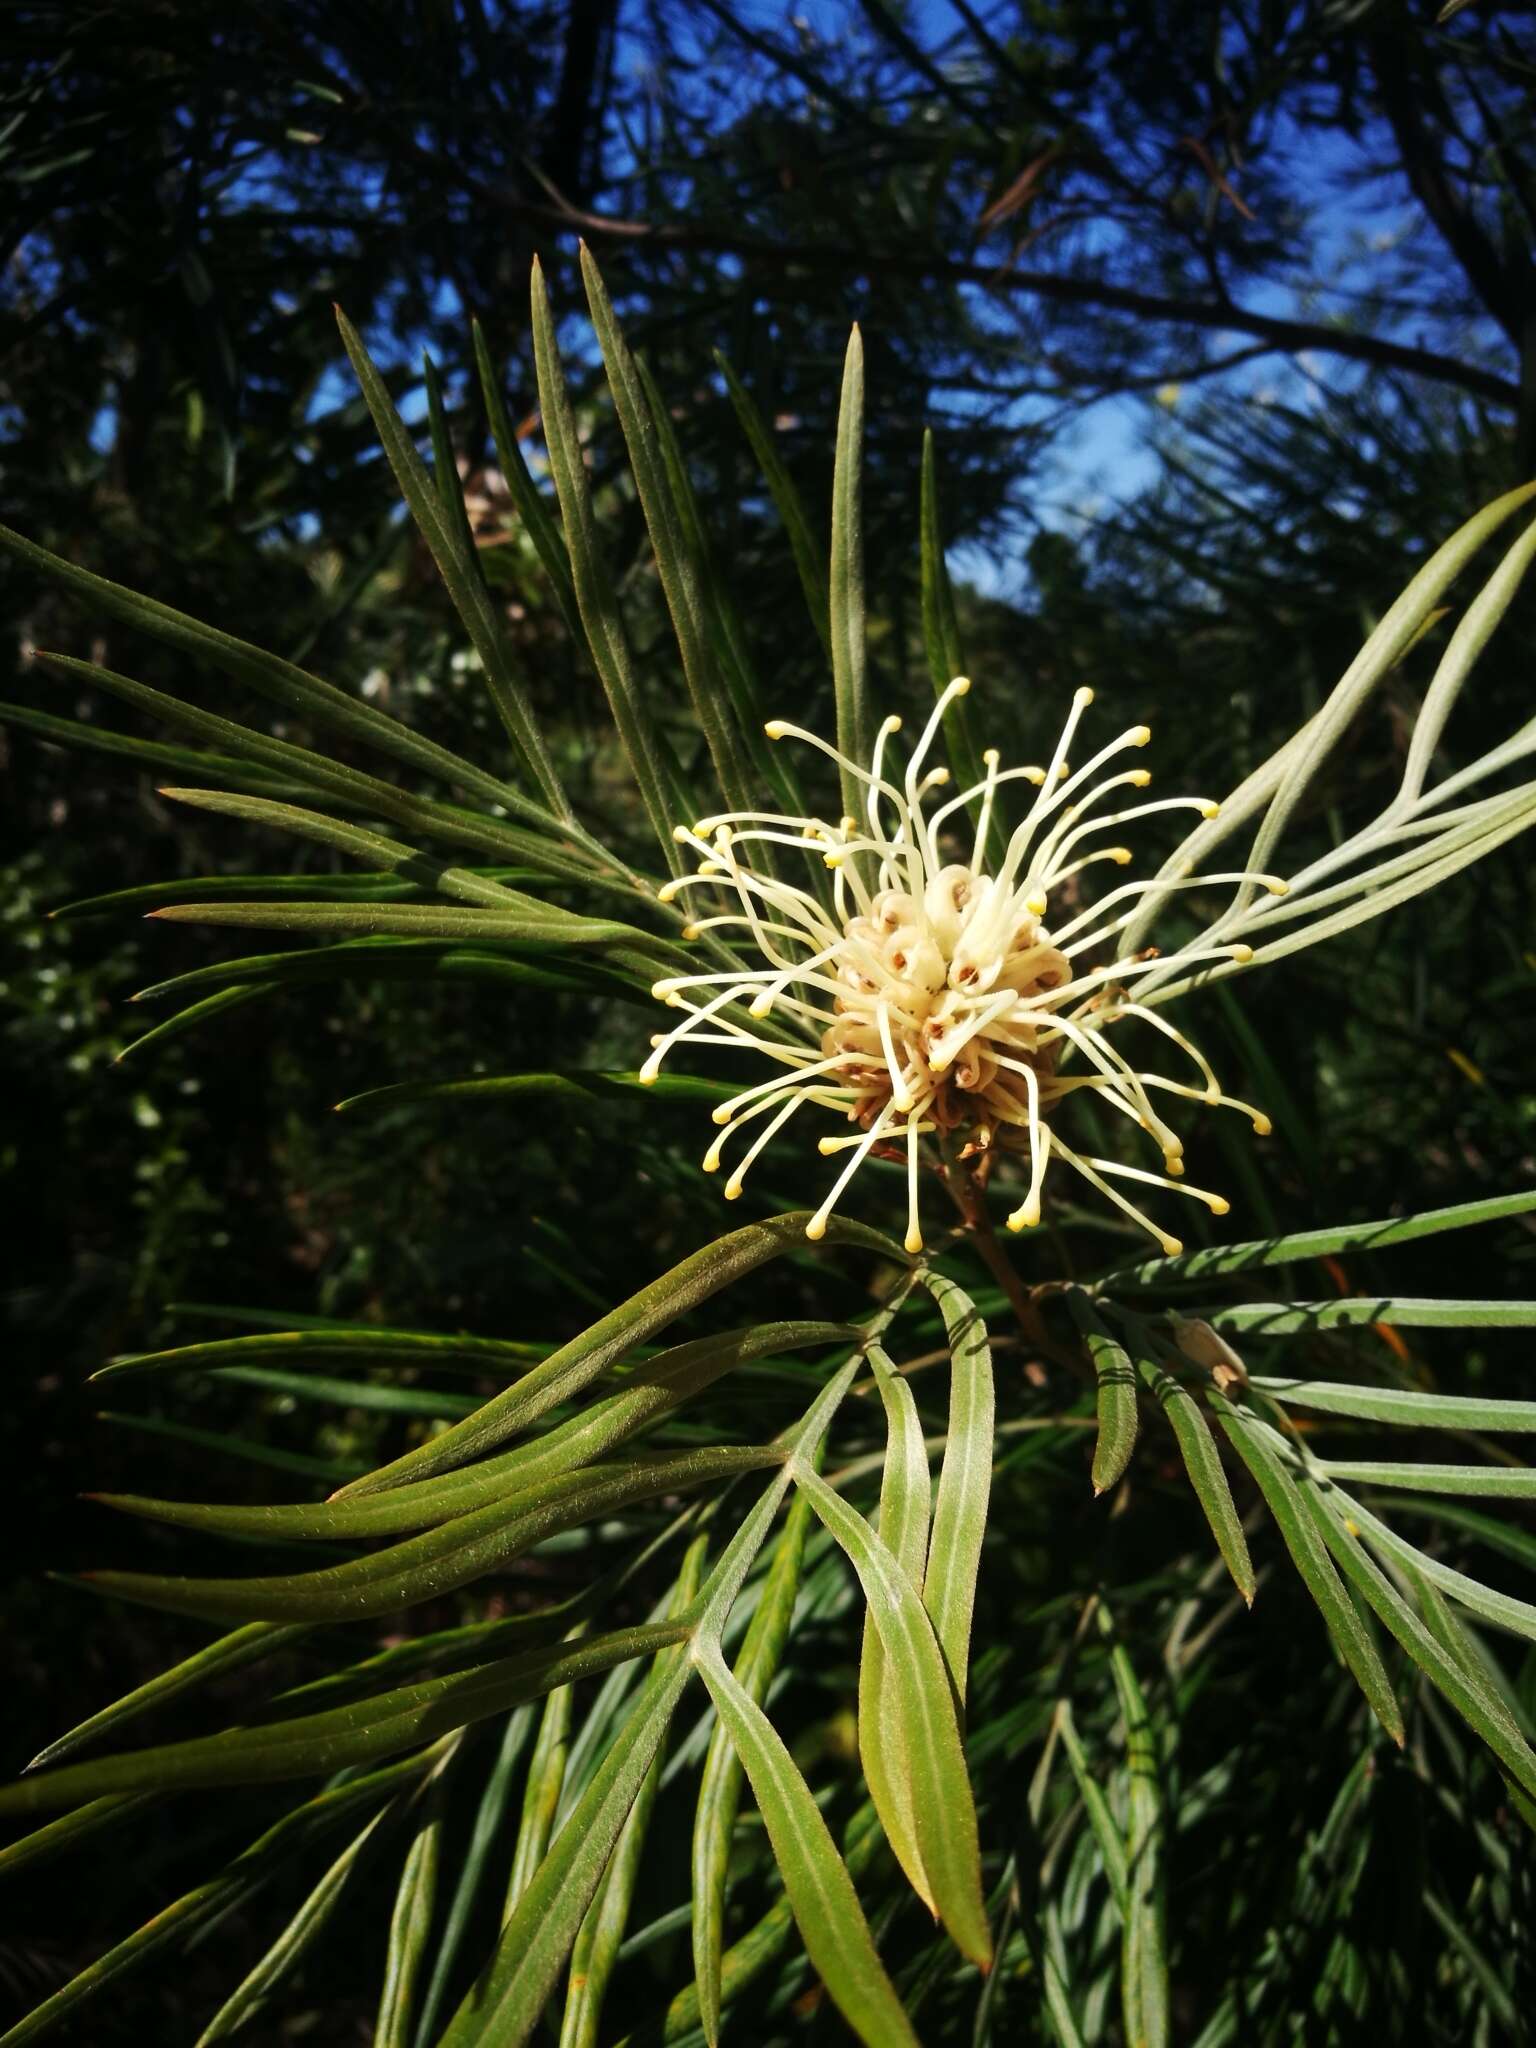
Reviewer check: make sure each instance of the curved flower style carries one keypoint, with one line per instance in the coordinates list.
(934, 997)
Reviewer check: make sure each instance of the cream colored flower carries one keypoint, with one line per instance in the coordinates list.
(931, 996)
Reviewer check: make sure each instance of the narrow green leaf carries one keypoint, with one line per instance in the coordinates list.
(1506, 1482)
(596, 1948)
(485, 1356)
(545, 927)
(786, 498)
(531, 509)
(484, 1838)
(191, 1018)
(410, 1923)
(70, 1829)
(905, 1501)
(1116, 1395)
(1310, 1557)
(1502, 1608)
(367, 888)
(1403, 1406)
(675, 560)
(1285, 1319)
(816, 1881)
(1202, 1462)
(965, 1480)
(720, 1781)
(1144, 1959)
(459, 570)
(541, 1793)
(596, 598)
(1318, 1244)
(1106, 1834)
(846, 589)
(230, 1653)
(944, 1814)
(716, 612)
(308, 1925)
(746, 1960)
(358, 843)
(587, 1088)
(367, 1394)
(157, 755)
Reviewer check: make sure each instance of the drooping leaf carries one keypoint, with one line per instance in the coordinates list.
(816, 1881)
(1116, 1393)
(965, 1480)
(943, 1811)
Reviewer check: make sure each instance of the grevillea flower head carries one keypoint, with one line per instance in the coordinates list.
(934, 996)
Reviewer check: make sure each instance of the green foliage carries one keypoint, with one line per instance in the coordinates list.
(1058, 1727)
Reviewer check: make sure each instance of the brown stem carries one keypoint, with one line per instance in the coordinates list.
(967, 1190)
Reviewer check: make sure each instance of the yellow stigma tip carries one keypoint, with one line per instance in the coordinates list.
(1120, 855)
(1036, 905)
(816, 1229)
(1278, 888)
(826, 1147)
(893, 723)
(913, 1241)
(690, 931)
(775, 728)
(1209, 810)
(721, 1113)
(661, 990)
(1243, 953)
(731, 1190)
(1139, 735)
(1083, 698)
(990, 756)
(682, 834)
(1262, 1126)
(1140, 777)
(961, 685)
(1172, 1246)
(666, 892)
(1219, 1205)
(760, 1006)
(647, 1076)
